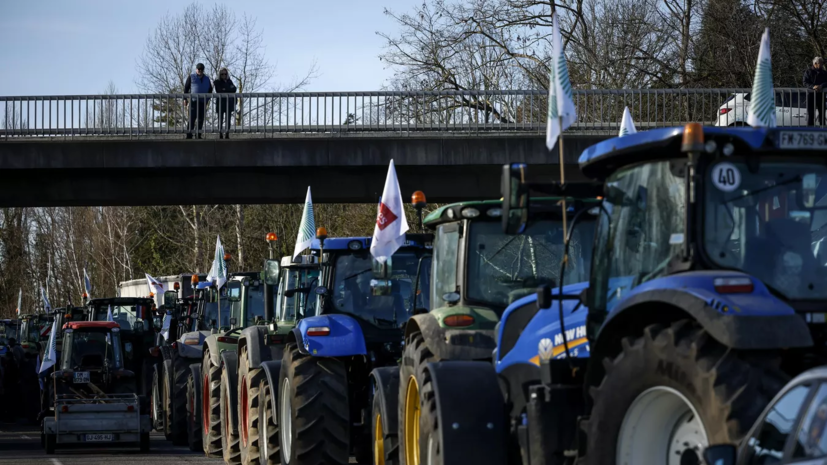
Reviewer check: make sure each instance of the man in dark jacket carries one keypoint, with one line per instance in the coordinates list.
(226, 104)
(814, 80)
(197, 83)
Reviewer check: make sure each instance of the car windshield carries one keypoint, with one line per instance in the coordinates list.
(503, 268)
(770, 222)
(298, 303)
(90, 347)
(352, 288)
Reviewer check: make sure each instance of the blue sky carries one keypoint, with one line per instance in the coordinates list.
(64, 47)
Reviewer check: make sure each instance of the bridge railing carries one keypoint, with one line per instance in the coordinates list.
(389, 113)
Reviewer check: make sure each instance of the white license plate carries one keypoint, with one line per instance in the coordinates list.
(81, 377)
(802, 140)
(98, 437)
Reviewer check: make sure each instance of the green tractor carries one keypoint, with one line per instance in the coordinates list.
(477, 271)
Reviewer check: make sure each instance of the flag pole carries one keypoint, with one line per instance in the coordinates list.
(562, 181)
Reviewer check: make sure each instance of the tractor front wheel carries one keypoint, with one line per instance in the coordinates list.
(210, 407)
(229, 440)
(674, 391)
(248, 411)
(417, 405)
(314, 418)
(268, 450)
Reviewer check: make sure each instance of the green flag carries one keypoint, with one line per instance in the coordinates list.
(307, 228)
(762, 103)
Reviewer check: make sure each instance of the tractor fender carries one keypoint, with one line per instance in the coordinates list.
(192, 351)
(295, 335)
(212, 345)
(345, 338)
(721, 320)
(253, 338)
(477, 435)
(386, 384)
(452, 344)
(272, 370)
(229, 365)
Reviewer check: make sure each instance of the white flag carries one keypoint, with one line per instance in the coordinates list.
(165, 327)
(627, 124)
(762, 102)
(51, 352)
(47, 307)
(109, 316)
(87, 284)
(19, 301)
(391, 224)
(561, 110)
(218, 272)
(155, 286)
(307, 228)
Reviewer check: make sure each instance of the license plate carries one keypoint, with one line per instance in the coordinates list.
(98, 437)
(802, 140)
(81, 377)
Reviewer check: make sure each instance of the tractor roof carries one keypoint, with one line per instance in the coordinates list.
(121, 301)
(344, 243)
(491, 210)
(603, 158)
(90, 324)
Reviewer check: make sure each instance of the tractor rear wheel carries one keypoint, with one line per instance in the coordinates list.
(229, 440)
(193, 408)
(314, 417)
(417, 406)
(268, 450)
(50, 441)
(178, 398)
(166, 396)
(210, 407)
(672, 392)
(248, 416)
(385, 443)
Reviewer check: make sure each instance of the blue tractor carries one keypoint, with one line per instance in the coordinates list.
(319, 394)
(708, 290)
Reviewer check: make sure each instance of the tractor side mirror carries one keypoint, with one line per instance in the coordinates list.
(170, 299)
(272, 272)
(514, 190)
(720, 454)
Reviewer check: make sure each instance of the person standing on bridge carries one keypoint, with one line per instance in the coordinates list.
(197, 83)
(814, 79)
(226, 103)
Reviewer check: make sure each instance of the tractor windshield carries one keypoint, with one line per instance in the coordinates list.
(90, 347)
(299, 283)
(352, 291)
(125, 315)
(211, 313)
(503, 268)
(770, 221)
(255, 303)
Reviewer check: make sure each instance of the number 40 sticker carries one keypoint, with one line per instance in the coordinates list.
(726, 177)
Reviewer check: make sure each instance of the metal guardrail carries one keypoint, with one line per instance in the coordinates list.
(375, 113)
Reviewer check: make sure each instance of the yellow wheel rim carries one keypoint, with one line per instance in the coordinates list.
(412, 413)
(378, 442)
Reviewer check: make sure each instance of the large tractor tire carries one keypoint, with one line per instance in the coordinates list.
(166, 398)
(314, 418)
(672, 392)
(268, 450)
(248, 400)
(417, 405)
(385, 443)
(229, 440)
(156, 408)
(210, 407)
(194, 409)
(178, 398)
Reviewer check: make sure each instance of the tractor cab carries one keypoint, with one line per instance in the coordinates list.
(245, 293)
(8, 330)
(92, 361)
(293, 283)
(381, 298)
(34, 332)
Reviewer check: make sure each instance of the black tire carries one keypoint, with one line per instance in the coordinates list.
(210, 407)
(193, 410)
(414, 359)
(144, 442)
(268, 451)
(166, 396)
(156, 402)
(50, 442)
(248, 415)
(229, 441)
(319, 410)
(728, 388)
(389, 447)
(178, 398)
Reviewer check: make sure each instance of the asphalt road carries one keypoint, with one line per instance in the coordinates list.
(21, 444)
